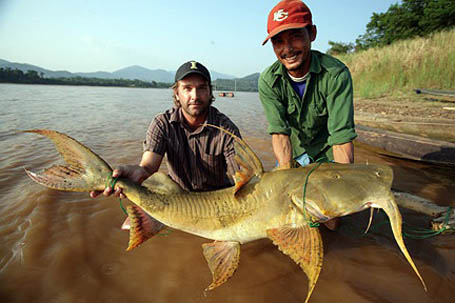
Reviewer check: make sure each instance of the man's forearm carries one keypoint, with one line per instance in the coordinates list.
(343, 153)
(150, 163)
(283, 150)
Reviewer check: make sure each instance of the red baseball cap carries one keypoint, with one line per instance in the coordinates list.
(287, 14)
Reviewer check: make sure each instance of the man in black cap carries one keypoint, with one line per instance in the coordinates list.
(199, 158)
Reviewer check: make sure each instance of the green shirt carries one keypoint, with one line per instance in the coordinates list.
(322, 118)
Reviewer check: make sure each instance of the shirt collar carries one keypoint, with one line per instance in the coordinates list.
(177, 117)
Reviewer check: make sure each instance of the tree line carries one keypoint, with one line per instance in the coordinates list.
(8, 75)
(411, 18)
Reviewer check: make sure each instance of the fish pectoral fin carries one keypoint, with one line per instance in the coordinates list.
(223, 259)
(141, 225)
(304, 245)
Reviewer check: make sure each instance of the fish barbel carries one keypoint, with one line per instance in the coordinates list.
(260, 204)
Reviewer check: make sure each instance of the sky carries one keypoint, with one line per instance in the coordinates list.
(107, 35)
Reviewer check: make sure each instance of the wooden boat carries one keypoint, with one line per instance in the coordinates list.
(409, 146)
(418, 140)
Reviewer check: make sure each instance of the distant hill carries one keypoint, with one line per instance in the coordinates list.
(132, 73)
(248, 83)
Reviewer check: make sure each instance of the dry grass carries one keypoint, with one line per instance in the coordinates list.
(397, 69)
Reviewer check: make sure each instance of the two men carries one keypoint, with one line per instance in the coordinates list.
(307, 95)
(199, 158)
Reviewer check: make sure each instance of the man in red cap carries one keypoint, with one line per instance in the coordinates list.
(307, 95)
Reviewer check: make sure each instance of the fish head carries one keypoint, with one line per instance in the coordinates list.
(330, 190)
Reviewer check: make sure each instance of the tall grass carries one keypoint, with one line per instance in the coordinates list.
(397, 69)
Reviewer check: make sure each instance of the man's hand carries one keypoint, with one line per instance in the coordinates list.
(150, 163)
(134, 173)
(343, 153)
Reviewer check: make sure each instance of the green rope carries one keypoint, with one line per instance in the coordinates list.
(424, 233)
(418, 233)
(111, 182)
(306, 216)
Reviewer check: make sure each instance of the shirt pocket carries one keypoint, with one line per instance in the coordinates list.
(292, 114)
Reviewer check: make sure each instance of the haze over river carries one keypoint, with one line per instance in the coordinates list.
(66, 247)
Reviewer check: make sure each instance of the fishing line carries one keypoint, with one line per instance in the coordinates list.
(318, 163)
(111, 182)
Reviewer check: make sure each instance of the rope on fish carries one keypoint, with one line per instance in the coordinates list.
(425, 233)
(418, 233)
(307, 217)
(111, 182)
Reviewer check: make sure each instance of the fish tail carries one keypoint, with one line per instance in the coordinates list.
(83, 171)
(391, 209)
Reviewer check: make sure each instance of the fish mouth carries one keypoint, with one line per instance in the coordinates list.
(315, 212)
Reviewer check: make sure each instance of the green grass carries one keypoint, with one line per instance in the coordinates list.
(398, 69)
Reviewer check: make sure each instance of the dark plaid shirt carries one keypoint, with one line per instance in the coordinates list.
(199, 160)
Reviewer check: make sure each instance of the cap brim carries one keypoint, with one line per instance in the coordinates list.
(193, 72)
(282, 28)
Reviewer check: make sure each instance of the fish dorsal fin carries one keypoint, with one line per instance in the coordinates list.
(248, 162)
(304, 245)
(161, 183)
(141, 225)
(223, 258)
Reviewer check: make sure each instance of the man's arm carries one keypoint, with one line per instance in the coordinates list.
(343, 153)
(283, 150)
(150, 162)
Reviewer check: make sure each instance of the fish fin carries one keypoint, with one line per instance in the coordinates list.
(141, 225)
(223, 258)
(162, 184)
(60, 177)
(85, 170)
(304, 245)
(248, 162)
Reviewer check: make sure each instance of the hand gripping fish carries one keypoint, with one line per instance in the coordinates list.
(260, 205)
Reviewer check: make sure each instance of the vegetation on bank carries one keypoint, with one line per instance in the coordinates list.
(8, 75)
(399, 68)
(405, 20)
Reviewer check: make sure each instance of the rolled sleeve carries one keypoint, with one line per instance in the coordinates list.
(154, 140)
(274, 110)
(341, 110)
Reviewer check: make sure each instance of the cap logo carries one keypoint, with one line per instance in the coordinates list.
(280, 15)
(193, 65)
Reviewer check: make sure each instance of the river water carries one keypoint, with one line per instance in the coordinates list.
(67, 247)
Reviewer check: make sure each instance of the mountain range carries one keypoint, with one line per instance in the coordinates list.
(130, 72)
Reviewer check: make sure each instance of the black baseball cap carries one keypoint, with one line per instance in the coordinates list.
(192, 67)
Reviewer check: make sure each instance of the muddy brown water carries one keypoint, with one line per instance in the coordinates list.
(67, 247)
